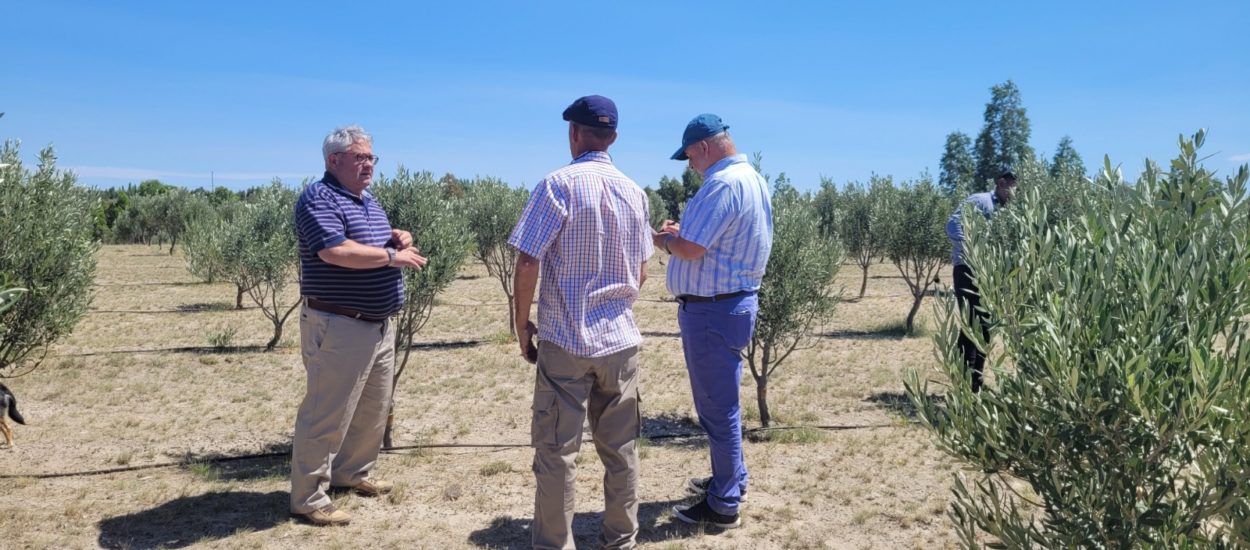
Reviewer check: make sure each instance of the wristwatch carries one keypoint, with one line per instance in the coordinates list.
(390, 256)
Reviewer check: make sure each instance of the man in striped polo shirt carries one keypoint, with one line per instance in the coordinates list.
(587, 224)
(720, 250)
(350, 261)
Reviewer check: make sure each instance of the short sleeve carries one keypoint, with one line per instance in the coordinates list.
(319, 223)
(708, 216)
(541, 220)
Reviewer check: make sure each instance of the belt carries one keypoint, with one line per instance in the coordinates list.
(327, 307)
(692, 299)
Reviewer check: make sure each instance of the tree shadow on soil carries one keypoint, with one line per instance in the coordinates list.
(671, 430)
(514, 533)
(194, 519)
(661, 334)
(888, 332)
(272, 461)
(899, 404)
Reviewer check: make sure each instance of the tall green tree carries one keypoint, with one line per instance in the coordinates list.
(414, 202)
(1004, 139)
(958, 175)
(673, 195)
(47, 222)
(915, 237)
(1121, 368)
(797, 293)
(1067, 162)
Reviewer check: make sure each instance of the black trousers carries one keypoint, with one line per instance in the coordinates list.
(969, 302)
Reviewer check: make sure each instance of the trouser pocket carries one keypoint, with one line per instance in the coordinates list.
(545, 420)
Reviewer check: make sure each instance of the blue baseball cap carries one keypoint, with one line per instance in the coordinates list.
(700, 128)
(593, 110)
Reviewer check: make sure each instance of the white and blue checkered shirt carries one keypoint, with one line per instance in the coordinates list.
(732, 217)
(587, 222)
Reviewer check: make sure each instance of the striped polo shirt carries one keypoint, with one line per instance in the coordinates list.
(587, 223)
(327, 214)
(732, 217)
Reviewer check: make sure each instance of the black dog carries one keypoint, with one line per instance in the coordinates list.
(8, 403)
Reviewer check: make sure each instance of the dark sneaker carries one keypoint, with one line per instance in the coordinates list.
(697, 486)
(704, 514)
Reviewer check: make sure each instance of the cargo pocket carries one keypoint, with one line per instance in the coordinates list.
(638, 413)
(546, 418)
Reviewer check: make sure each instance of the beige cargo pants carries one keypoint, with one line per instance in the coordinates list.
(567, 390)
(338, 430)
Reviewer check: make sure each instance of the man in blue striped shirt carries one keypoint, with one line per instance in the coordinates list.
(720, 250)
(350, 261)
(965, 288)
(587, 225)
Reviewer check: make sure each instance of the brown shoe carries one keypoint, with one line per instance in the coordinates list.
(327, 515)
(368, 488)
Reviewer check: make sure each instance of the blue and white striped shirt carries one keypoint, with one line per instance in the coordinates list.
(587, 223)
(732, 217)
(327, 214)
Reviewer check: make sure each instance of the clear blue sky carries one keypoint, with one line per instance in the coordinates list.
(127, 91)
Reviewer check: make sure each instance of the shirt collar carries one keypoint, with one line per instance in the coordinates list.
(334, 183)
(593, 156)
(723, 164)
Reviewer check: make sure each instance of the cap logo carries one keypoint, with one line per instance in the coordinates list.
(604, 119)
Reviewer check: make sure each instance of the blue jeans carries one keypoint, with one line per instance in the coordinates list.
(713, 335)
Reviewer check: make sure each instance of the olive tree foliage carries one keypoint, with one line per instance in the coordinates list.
(826, 201)
(797, 294)
(268, 255)
(915, 237)
(416, 203)
(656, 209)
(214, 246)
(861, 223)
(1121, 371)
(493, 209)
(47, 223)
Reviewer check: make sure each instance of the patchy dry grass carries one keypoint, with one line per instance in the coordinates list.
(164, 370)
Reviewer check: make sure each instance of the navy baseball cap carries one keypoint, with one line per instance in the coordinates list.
(1006, 173)
(700, 128)
(592, 110)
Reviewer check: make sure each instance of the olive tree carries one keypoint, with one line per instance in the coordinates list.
(1121, 371)
(797, 293)
(915, 237)
(47, 223)
(214, 248)
(268, 256)
(861, 223)
(415, 202)
(493, 209)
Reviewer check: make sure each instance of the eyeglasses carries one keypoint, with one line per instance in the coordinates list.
(361, 157)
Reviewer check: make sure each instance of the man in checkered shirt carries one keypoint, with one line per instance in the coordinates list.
(586, 223)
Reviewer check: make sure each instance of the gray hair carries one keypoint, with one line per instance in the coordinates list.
(342, 138)
(722, 139)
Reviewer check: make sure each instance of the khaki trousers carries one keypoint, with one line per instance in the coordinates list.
(338, 430)
(568, 387)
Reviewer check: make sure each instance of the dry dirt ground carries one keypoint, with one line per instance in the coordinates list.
(138, 383)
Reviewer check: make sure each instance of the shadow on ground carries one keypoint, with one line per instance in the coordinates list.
(899, 404)
(195, 519)
(671, 430)
(514, 533)
(273, 461)
(884, 333)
